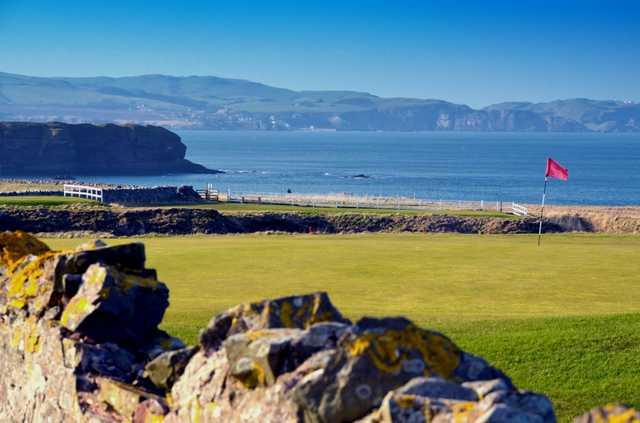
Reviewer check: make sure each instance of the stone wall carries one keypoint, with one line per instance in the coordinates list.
(151, 195)
(79, 341)
(208, 221)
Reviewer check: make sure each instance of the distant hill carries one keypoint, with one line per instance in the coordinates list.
(207, 102)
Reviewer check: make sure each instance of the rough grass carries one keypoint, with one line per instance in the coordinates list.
(10, 185)
(41, 200)
(563, 319)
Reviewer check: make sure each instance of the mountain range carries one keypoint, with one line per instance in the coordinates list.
(207, 102)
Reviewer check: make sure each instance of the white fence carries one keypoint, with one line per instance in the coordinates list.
(519, 209)
(209, 193)
(343, 200)
(83, 191)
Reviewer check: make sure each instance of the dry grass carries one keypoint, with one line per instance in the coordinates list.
(10, 185)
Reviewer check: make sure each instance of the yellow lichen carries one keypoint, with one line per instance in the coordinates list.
(32, 343)
(253, 335)
(95, 275)
(252, 377)
(304, 315)
(213, 410)
(286, 311)
(153, 418)
(16, 337)
(389, 349)
(133, 280)
(122, 397)
(25, 336)
(461, 411)
(16, 245)
(25, 284)
(404, 400)
(196, 411)
(77, 307)
(614, 415)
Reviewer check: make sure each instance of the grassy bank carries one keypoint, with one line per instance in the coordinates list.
(41, 200)
(563, 319)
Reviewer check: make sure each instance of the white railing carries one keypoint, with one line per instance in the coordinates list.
(209, 193)
(343, 200)
(83, 191)
(519, 209)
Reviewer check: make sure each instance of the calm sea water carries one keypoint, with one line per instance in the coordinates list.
(604, 168)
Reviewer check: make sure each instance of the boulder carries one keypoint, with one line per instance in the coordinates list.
(76, 330)
(288, 312)
(377, 370)
(166, 367)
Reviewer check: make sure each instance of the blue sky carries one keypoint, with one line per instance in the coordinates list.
(472, 52)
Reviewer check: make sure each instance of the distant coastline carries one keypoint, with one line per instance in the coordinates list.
(214, 103)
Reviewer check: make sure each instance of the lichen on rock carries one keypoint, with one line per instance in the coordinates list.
(16, 245)
(73, 323)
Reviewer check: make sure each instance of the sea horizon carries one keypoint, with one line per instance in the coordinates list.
(433, 165)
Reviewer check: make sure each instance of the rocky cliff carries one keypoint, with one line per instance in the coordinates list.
(79, 342)
(65, 149)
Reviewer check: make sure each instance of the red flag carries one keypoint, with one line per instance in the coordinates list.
(555, 170)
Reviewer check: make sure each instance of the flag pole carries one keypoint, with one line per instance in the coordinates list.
(544, 194)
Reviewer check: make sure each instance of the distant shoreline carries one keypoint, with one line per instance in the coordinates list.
(45, 186)
(222, 103)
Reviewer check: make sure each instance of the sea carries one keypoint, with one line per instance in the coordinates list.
(604, 169)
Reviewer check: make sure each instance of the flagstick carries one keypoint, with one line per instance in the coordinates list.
(544, 194)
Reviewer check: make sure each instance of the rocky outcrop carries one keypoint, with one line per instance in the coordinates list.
(62, 149)
(79, 342)
(206, 221)
(151, 195)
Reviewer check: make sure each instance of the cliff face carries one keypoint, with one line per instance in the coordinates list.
(59, 148)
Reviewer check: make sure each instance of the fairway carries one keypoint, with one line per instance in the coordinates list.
(562, 319)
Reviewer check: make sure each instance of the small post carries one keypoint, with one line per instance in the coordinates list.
(544, 195)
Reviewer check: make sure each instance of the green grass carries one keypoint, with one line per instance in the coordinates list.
(238, 208)
(563, 319)
(41, 200)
